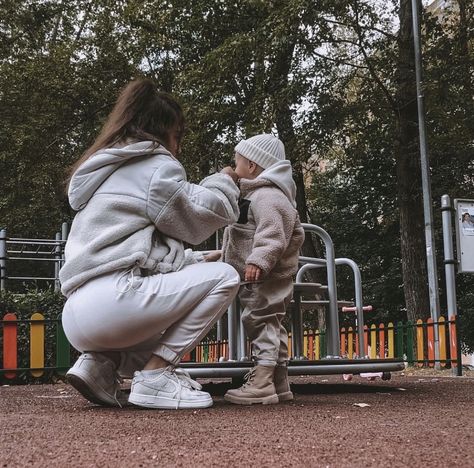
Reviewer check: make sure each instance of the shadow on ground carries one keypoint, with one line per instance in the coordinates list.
(219, 389)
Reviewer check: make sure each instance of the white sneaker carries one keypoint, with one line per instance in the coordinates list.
(168, 388)
(94, 376)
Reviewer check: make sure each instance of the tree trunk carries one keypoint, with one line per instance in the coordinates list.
(409, 175)
(277, 85)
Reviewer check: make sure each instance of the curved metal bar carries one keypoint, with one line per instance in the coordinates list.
(333, 316)
(357, 289)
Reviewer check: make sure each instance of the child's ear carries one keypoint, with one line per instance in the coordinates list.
(252, 167)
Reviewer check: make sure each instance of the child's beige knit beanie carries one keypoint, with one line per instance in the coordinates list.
(264, 150)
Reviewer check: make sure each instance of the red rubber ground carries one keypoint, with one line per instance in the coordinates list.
(429, 423)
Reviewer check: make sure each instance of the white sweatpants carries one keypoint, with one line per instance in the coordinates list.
(164, 314)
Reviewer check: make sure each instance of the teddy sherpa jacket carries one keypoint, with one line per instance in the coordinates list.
(268, 233)
(135, 207)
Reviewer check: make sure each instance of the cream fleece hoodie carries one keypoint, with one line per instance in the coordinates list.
(268, 233)
(135, 207)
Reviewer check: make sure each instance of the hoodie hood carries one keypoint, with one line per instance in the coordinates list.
(92, 173)
(279, 174)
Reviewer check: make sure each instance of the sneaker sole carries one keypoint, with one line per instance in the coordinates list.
(89, 391)
(286, 396)
(150, 401)
(269, 400)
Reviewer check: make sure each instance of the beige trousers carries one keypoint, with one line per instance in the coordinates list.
(264, 307)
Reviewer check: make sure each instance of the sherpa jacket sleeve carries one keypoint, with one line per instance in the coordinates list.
(274, 224)
(190, 212)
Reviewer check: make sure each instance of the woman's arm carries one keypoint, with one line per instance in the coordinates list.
(191, 212)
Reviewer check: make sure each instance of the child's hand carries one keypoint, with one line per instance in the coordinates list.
(213, 256)
(230, 172)
(252, 273)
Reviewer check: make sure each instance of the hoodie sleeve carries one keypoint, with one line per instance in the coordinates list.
(274, 220)
(190, 212)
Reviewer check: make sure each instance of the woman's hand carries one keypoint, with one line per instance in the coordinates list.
(230, 172)
(252, 273)
(213, 256)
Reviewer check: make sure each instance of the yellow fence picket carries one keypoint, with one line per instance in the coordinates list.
(317, 347)
(391, 341)
(305, 344)
(373, 341)
(350, 343)
(37, 344)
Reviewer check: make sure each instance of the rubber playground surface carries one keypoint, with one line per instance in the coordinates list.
(412, 420)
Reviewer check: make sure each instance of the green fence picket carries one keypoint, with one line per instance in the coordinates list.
(322, 344)
(410, 342)
(399, 329)
(63, 349)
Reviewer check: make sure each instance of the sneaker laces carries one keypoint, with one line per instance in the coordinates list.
(186, 379)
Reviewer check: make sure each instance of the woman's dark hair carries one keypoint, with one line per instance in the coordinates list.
(141, 113)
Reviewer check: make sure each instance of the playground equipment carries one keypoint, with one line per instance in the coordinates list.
(388, 346)
(33, 250)
(306, 295)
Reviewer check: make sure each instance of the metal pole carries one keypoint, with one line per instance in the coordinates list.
(57, 263)
(425, 179)
(449, 264)
(3, 259)
(232, 330)
(64, 236)
(449, 260)
(220, 322)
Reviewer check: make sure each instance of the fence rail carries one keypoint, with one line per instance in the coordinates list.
(37, 347)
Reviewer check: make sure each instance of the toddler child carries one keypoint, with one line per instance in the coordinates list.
(263, 246)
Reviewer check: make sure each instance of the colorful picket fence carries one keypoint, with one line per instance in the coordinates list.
(413, 342)
(24, 345)
(36, 363)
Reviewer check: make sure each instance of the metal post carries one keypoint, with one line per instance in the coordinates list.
(64, 236)
(449, 263)
(297, 327)
(449, 260)
(3, 259)
(232, 330)
(425, 178)
(242, 335)
(57, 263)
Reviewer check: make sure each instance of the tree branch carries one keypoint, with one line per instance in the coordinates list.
(370, 67)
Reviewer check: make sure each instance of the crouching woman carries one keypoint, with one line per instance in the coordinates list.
(137, 301)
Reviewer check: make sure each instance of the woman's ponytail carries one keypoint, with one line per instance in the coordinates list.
(141, 113)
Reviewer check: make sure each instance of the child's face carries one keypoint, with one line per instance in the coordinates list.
(244, 168)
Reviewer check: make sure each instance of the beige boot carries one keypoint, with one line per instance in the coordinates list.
(258, 388)
(282, 387)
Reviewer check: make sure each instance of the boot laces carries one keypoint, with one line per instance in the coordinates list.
(249, 376)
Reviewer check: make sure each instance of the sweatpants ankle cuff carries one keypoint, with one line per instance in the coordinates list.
(167, 354)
